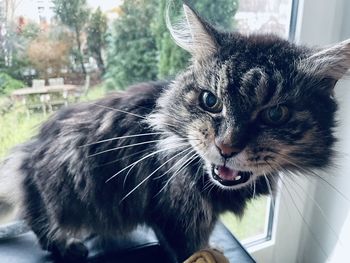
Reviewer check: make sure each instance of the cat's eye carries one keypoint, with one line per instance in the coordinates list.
(277, 115)
(209, 102)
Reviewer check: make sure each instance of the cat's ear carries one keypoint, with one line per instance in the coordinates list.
(332, 62)
(193, 34)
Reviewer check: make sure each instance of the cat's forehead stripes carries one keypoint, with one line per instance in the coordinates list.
(223, 79)
(254, 81)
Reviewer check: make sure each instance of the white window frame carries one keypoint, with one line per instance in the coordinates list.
(319, 22)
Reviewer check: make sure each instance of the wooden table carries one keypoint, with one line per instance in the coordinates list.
(45, 98)
(43, 90)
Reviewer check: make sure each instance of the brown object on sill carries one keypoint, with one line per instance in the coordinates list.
(207, 256)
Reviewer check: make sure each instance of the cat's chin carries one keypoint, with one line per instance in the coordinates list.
(229, 178)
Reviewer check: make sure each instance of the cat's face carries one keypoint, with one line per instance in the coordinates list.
(250, 107)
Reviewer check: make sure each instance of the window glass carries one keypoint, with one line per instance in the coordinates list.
(259, 16)
(52, 56)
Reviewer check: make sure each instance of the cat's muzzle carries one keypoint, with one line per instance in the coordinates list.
(229, 177)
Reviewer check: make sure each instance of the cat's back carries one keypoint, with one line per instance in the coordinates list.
(67, 164)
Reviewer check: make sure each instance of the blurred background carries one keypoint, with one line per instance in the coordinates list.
(57, 52)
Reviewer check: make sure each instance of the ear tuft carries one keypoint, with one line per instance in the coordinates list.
(332, 62)
(192, 33)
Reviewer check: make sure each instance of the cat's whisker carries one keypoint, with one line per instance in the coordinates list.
(130, 155)
(119, 110)
(123, 147)
(126, 176)
(253, 187)
(310, 172)
(291, 183)
(143, 158)
(149, 176)
(179, 170)
(189, 148)
(123, 158)
(279, 188)
(271, 194)
(163, 113)
(176, 164)
(125, 137)
(206, 186)
(179, 161)
(212, 188)
(209, 185)
(132, 145)
(303, 218)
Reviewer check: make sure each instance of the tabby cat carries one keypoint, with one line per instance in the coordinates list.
(174, 155)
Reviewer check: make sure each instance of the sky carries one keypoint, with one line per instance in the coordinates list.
(29, 8)
(105, 5)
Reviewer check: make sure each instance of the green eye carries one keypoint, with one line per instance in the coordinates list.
(209, 102)
(275, 115)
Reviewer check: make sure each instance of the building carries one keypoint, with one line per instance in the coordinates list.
(45, 10)
(39, 11)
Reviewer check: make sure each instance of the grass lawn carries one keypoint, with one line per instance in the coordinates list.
(16, 127)
(253, 222)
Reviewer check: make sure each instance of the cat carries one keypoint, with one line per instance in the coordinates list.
(175, 155)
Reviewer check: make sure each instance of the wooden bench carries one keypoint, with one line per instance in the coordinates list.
(47, 98)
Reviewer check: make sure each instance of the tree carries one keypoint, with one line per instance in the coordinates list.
(48, 56)
(141, 47)
(9, 84)
(30, 31)
(96, 38)
(13, 50)
(75, 15)
(171, 57)
(133, 51)
(219, 13)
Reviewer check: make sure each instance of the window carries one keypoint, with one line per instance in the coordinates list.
(267, 16)
(28, 31)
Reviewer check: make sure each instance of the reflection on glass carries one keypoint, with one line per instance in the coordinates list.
(39, 46)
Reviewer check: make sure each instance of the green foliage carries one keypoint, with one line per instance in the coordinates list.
(219, 13)
(16, 127)
(141, 47)
(252, 223)
(171, 57)
(133, 51)
(17, 68)
(31, 30)
(9, 84)
(13, 57)
(74, 14)
(96, 37)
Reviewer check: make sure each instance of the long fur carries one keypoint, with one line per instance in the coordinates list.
(146, 156)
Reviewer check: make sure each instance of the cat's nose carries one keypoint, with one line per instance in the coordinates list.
(226, 150)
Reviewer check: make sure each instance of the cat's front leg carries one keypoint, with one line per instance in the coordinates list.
(181, 240)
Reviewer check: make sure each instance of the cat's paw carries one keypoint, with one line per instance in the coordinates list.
(73, 251)
(207, 256)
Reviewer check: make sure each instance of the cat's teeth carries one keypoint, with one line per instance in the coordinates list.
(238, 178)
(216, 170)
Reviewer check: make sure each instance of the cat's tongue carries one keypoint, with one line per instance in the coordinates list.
(226, 173)
(230, 177)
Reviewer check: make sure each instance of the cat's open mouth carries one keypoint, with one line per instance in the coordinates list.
(229, 177)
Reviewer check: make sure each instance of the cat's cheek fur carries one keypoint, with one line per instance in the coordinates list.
(201, 136)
